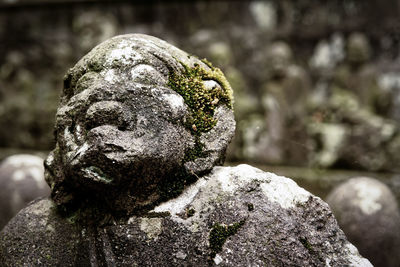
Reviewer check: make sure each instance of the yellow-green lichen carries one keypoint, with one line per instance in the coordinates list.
(219, 233)
(306, 244)
(190, 212)
(201, 101)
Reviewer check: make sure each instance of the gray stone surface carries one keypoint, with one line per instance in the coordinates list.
(257, 218)
(21, 181)
(140, 130)
(368, 213)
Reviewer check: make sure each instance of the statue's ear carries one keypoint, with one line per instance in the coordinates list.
(214, 142)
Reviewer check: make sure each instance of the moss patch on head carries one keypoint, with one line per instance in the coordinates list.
(202, 101)
(219, 233)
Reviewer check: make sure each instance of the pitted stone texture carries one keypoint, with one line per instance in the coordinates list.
(47, 239)
(21, 181)
(281, 224)
(368, 213)
(121, 131)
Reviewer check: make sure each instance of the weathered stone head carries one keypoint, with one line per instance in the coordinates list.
(358, 48)
(137, 121)
(279, 59)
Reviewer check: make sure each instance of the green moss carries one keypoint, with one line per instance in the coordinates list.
(190, 212)
(195, 152)
(95, 66)
(250, 206)
(201, 101)
(219, 233)
(306, 244)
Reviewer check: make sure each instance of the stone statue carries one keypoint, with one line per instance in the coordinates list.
(111, 98)
(354, 108)
(284, 98)
(140, 129)
(358, 76)
(361, 204)
(21, 181)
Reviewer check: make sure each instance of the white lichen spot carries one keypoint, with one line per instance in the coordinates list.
(278, 189)
(230, 179)
(285, 192)
(225, 180)
(327, 263)
(147, 74)
(194, 227)
(175, 101)
(355, 259)
(218, 259)
(151, 226)
(110, 76)
(123, 54)
(181, 255)
(367, 198)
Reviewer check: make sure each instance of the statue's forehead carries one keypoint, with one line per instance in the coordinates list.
(129, 50)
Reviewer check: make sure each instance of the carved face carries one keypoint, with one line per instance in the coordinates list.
(121, 129)
(279, 59)
(358, 49)
(124, 133)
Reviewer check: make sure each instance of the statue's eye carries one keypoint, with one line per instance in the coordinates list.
(146, 74)
(106, 113)
(173, 104)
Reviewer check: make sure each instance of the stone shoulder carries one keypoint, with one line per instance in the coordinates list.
(230, 181)
(37, 235)
(269, 218)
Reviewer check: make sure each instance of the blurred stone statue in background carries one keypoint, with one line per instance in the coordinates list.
(141, 129)
(369, 215)
(245, 104)
(93, 27)
(284, 100)
(357, 76)
(347, 125)
(21, 181)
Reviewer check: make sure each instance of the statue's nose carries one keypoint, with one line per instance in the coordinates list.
(107, 113)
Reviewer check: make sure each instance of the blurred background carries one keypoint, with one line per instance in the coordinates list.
(317, 83)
